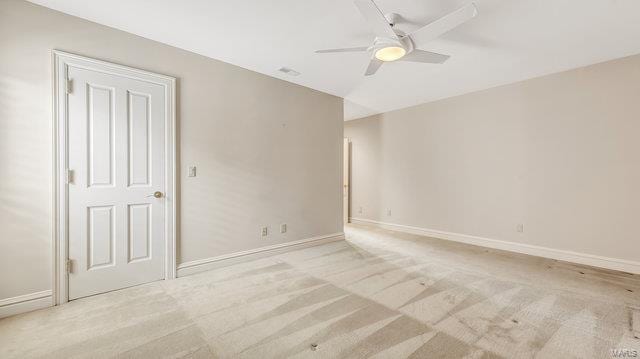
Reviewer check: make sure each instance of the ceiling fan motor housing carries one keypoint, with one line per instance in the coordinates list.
(382, 42)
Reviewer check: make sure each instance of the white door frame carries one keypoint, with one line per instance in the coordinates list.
(61, 62)
(346, 179)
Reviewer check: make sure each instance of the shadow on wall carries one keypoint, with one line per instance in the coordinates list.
(25, 198)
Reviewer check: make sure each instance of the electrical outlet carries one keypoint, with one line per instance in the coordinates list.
(520, 228)
(192, 171)
(283, 228)
(265, 231)
(389, 212)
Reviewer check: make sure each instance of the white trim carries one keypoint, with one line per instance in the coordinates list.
(205, 264)
(538, 251)
(25, 298)
(25, 303)
(61, 62)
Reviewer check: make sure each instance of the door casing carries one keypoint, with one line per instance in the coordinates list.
(346, 181)
(61, 61)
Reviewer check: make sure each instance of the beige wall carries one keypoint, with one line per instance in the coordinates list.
(267, 151)
(559, 154)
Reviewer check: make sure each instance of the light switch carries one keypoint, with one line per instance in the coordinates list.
(192, 171)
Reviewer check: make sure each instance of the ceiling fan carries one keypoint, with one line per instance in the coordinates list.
(392, 44)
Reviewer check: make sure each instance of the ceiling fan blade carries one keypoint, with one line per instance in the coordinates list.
(374, 65)
(346, 49)
(425, 56)
(378, 23)
(444, 24)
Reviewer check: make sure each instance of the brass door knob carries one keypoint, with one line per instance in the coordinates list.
(156, 194)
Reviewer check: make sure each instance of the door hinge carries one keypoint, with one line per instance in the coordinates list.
(69, 86)
(69, 176)
(69, 266)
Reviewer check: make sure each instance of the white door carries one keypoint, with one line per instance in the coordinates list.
(116, 134)
(345, 181)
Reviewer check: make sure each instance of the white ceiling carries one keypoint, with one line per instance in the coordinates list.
(510, 40)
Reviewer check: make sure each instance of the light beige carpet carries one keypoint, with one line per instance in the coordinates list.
(380, 294)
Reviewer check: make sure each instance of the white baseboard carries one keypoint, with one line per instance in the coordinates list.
(205, 264)
(25, 303)
(538, 251)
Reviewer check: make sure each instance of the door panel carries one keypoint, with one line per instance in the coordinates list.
(116, 151)
(101, 236)
(101, 147)
(139, 135)
(139, 237)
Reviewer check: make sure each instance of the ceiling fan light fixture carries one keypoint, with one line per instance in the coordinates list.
(390, 53)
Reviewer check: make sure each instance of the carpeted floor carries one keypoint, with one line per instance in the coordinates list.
(380, 294)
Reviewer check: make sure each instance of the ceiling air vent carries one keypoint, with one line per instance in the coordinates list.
(288, 71)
